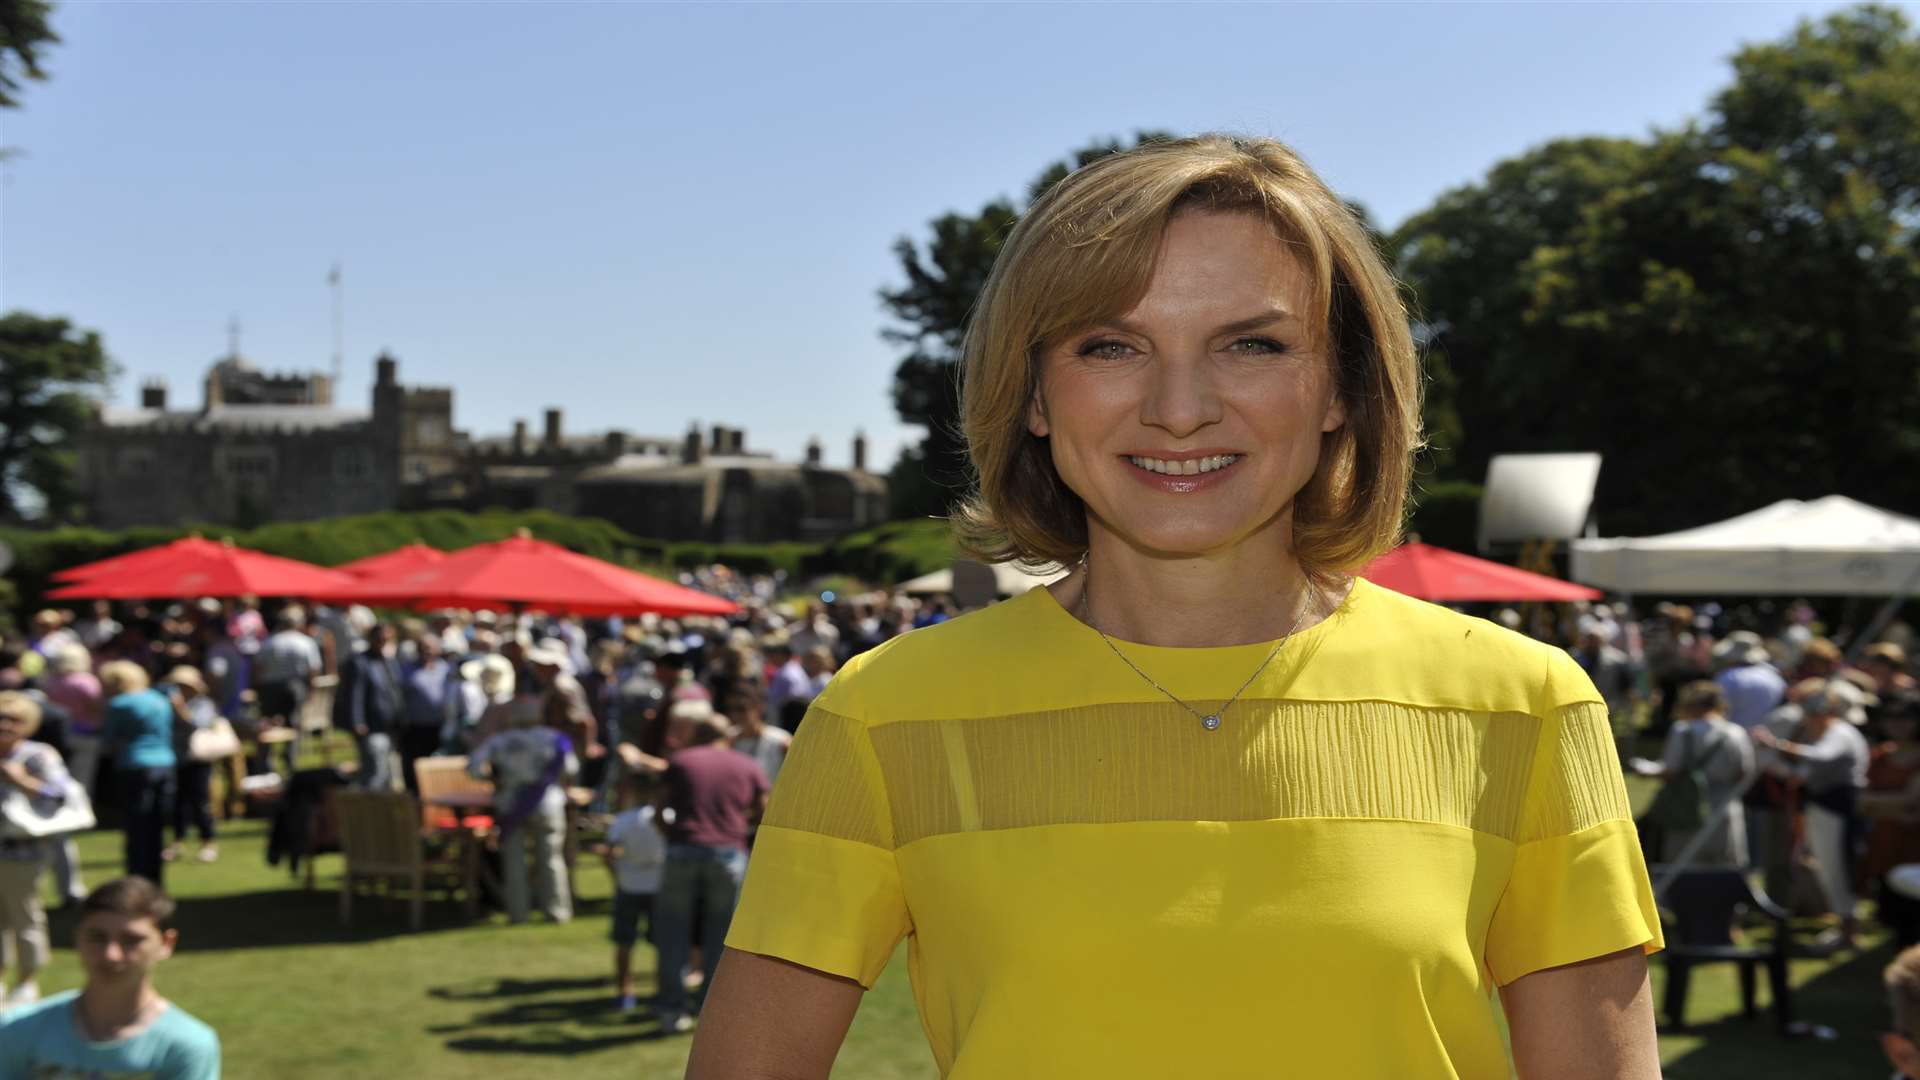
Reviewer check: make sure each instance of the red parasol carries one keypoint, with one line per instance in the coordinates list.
(207, 569)
(134, 560)
(522, 572)
(400, 560)
(1431, 573)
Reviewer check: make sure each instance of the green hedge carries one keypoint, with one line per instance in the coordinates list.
(1447, 514)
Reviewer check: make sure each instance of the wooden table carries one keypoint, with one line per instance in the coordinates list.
(473, 870)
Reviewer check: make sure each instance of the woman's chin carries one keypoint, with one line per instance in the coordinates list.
(1186, 539)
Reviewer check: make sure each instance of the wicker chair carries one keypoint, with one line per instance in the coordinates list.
(382, 840)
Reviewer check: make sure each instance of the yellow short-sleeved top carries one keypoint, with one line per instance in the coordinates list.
(1407, 809)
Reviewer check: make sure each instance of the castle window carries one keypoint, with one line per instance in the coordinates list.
(136, 462)
(244, 465)
(351, 465)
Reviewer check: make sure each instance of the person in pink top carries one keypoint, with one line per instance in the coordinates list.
(71, 684)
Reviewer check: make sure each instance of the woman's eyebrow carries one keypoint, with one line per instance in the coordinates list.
(1251, 322)
(1254, 322)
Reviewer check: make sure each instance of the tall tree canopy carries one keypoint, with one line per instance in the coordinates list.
(46, 370)
(1729, 312)
(24, 33)
(942, 281)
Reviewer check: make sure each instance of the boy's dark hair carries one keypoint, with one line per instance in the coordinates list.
(130, 897)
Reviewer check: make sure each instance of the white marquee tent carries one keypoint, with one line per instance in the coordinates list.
(1832, 546)
(1010, 580)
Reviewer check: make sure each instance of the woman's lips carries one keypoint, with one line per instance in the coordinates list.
(1183, 483)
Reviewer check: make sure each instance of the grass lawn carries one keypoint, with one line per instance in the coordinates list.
(294, 994)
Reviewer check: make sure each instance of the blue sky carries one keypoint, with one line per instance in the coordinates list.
(653, 214)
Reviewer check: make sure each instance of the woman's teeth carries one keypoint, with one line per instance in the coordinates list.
(1189, 467)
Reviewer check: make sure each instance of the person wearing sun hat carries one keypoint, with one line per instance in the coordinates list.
(195, 710)
(563, 701)
(1747, 676)
(1831, 756)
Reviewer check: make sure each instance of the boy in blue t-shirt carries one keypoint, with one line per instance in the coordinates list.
(118, 1025)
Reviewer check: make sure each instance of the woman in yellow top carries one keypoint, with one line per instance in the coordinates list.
(1210, 805)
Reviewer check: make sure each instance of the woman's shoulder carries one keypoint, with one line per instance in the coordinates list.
(1400, 648)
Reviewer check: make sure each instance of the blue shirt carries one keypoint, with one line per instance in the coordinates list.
(1753, 691)
(44, 1042)
(140, 724)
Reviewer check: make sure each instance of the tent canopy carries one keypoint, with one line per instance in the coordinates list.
(1432, 573)
(1833, 546)
(1010, 579)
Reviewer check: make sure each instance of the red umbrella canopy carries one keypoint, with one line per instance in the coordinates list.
(522, 572)
(1431, 573)
(134, 560)
(207, 570)
(400, 560)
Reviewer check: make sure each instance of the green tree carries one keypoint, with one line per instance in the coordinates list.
(46, 370)
(1729, 312)
(24, 34)
(942, 280)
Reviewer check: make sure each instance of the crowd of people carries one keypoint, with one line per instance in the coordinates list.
(1803, 767)
(669, 730)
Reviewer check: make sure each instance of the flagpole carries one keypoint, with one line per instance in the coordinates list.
(333, 279)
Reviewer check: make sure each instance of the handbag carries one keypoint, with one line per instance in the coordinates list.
(25, 817)
(1680, 805)
(215, 742)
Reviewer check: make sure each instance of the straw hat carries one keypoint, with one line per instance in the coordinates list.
(550, 652)
(492, 672)
(188, 677)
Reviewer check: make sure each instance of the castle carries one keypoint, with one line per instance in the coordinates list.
(274, 447)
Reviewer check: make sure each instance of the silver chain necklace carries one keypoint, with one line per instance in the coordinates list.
(1209, 721)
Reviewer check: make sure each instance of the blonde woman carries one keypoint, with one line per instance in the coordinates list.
(33, 768)
(1210, 805)
(138, 732)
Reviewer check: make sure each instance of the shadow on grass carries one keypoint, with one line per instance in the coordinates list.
(292, 916)
(1847, 997)
(554, 1026)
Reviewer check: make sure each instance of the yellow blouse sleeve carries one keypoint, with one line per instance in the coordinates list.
(1579, 888)
(822, 889)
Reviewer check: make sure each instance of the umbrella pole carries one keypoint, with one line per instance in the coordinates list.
(1882, 617)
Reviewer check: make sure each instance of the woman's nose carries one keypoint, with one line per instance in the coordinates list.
(1181, 396)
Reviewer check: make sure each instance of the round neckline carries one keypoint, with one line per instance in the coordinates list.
(1311, 634)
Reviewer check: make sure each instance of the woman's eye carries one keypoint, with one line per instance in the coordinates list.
(1258, 345)
(1104, 350)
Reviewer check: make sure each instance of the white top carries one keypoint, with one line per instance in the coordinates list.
(640, 851)
(769, 748)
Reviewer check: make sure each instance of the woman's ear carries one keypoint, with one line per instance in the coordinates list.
(1336, 414)
(1037, 414)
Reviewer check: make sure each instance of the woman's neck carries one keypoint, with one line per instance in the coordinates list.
(1251, 593)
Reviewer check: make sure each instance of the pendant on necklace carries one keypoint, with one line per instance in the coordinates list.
(1211, 723)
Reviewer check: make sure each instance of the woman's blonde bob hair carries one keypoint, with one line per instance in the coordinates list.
(122, 677)
(1085, 252)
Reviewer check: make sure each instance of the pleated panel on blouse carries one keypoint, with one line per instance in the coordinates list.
(1154, 762)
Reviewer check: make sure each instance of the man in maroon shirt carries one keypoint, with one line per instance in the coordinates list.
(715, 795)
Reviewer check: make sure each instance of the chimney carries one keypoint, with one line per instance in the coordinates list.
(717, 444)
(813, 451)
(553, 429)
(153, 394)
(386, 370)
(737, 441)
(692, 451)
(519, 438)
(616, 443)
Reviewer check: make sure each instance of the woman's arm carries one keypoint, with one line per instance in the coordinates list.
(767, 1019)
(1587, 1021)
